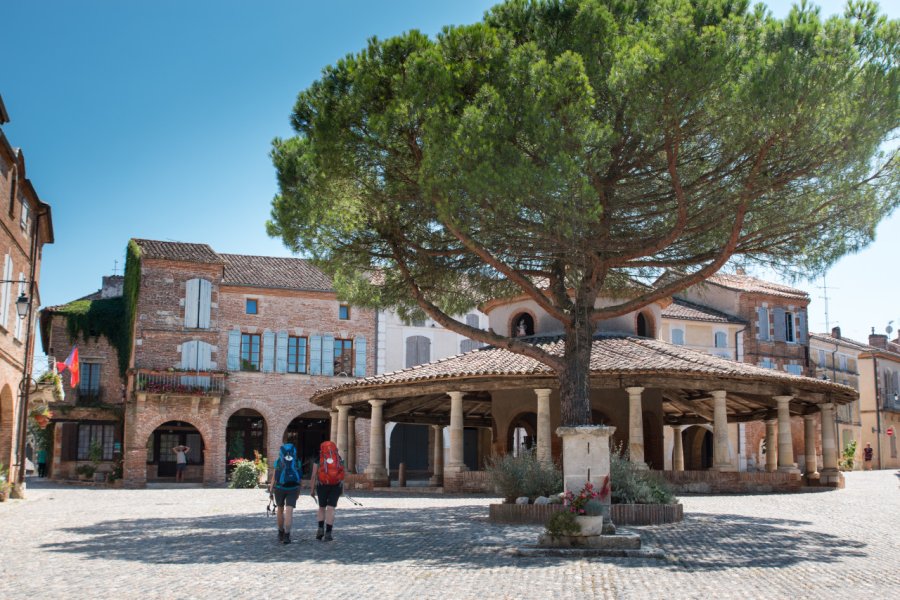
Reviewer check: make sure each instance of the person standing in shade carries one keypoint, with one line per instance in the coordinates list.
(285, 488)
(327, 483)
(867, 457)
(42, 462)
(181, 453)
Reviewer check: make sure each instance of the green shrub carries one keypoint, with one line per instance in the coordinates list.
(561, 523)
(524, 475)
(848, 456)
(244, 475)
(631, 485)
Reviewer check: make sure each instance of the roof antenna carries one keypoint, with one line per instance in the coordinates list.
(115, 267)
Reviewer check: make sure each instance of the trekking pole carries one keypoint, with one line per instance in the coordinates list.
(352, 501)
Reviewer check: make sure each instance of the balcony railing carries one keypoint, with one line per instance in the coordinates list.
(89, 396)
(192, 383)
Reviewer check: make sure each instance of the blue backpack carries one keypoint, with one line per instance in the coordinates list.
(287, 470)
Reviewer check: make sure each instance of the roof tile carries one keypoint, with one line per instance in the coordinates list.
(274, 272)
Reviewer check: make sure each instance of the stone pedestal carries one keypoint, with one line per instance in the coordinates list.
(586, 458)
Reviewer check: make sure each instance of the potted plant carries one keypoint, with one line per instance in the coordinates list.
(589, 506)
(41, 416)
(4, 483)
(54, 380)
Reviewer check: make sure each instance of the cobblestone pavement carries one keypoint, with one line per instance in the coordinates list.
(68, 542)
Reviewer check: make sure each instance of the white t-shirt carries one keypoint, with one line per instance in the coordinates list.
(180, 458)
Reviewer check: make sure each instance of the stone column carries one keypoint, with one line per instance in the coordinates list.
(771, 445)
(544, 453)
(809, 440)
(376, 471)
(456, 462)
(438, 477)
(343, 414)
(830, 473)
(721, 454)
(351, 444)
(785, 439)
(586, 458)
(635, 427)
(678, 452)
(334, 424)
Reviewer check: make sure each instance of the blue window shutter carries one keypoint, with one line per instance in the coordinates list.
(327, 355)
(234, 350)
(205, 303)
(778, 316)
(315, 355)
(189, 355)
(359, 369)
(191, 302)
(763, 315)
(281, 344)
(801, 326)
(268, 357)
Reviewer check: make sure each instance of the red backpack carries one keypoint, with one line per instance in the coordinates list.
(331, 467)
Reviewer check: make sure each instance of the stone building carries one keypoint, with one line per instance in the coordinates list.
(879, 399)
(25, 226)
(222, 352)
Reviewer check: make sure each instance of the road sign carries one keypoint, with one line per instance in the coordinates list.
(890, 431)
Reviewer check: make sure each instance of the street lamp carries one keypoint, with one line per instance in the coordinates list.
(22, 305)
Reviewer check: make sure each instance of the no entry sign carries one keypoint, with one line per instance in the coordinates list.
(890, 431)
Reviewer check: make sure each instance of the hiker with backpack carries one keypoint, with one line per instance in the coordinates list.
(285, 487)
(327, 482)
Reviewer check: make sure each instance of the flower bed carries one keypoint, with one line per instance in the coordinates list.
(621, 514)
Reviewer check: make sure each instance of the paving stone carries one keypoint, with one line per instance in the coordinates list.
(70, 542)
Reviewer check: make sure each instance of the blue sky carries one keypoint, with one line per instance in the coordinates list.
(155, 118)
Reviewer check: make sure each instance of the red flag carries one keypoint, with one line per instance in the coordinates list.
(72, 364)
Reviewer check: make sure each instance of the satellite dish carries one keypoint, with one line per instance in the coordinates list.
(889, 329)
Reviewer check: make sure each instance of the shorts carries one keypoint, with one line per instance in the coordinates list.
(329, 494)
(286, 497)
(180, 467)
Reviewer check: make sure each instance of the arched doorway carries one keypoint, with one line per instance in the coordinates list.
(244, 434)
(307, 432)
(653, 441)
(697, 442)
(521, 324)
(522, 433)
(645, 326)
(161, 459)
(409, 444)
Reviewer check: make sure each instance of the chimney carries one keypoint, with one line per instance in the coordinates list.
(836, 332)
(740, 271)
(879, 340)
(112, 286)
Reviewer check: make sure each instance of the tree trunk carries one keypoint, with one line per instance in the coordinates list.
(575, 378)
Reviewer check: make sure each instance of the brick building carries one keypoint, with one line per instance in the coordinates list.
(222, 354)
(25, 226)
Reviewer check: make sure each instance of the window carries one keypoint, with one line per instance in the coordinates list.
(23, 219)
(7, 291)
(89, 377)
(249, 352)
(821, 358)
(252, 307)
(197, 303)
(472, 321)
(344, 312)
(418, 350)
(789, 324)
(296, 355)
(88, 433)
(343, 357)
(678, 337)
(794, 369)
(469, 345)
(721, 339)
(766, 363)
(842, 362)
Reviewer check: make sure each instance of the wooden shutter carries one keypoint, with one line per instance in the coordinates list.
(7, 290)
(69, 435)
(315, 355)
(778, 315)
(189, 355)
(327, 355)
(234, 350)
(472, 320)
(359, 367)
(268, 357)
(800, 315)
(411, 349)
(281, 351)
(763, 324)
(424, 349)
(204, 303)
(191, 302)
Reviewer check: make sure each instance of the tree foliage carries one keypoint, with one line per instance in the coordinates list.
(570, 150)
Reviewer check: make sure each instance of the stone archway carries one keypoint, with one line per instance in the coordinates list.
(697, 441)
(521, 434)
(245, 436)
(160, 461)
(307, 431)
(137, 440)
(7, 425)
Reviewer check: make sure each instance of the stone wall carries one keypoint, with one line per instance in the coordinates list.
(714, 482)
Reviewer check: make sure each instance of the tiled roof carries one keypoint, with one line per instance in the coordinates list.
(891, 350)
(274, 272)
(181, 251)
(610, 355)
(688, 311)
(746, 283)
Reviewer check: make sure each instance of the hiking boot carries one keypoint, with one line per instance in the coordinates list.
(328, 537)
(281, 535)
(287, 537)
(320, 532)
